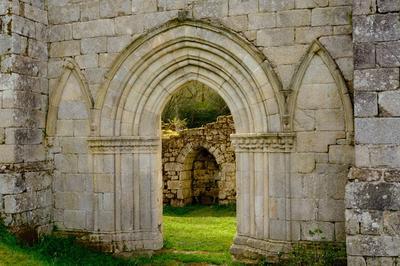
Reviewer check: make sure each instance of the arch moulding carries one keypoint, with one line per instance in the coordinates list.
(127, 126)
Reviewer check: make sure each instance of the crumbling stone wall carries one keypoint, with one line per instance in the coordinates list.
(373, 191)
(25, 173)
(199, 164)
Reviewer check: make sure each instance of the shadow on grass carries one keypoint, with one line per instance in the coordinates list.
(56, 250)
(197, 210)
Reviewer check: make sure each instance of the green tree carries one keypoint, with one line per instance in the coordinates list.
(195, 103)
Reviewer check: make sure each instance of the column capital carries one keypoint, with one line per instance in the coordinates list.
(124, 144)
(263, 142)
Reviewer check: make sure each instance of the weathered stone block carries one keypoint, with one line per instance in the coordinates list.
(330, 210)
(384, 156)
(389, 103)
(275, 37)
(96, 28)
(309, 34)
(262, 20)
(277, 229)
(377, 130)
(376, 28)
(90, 10)
(129, 25)
(316, 141)
(309, 229)
(311, 3)
(140, 6)
(381, 79)
(278, 55)
(242, 7)
(391, 224)
(329, 119)
(388, 5)
(66, 48)
(275, 5)
(87, 61)
(369, 196)
(331, 16)
(365, 174)
(210, 9)
(387, 54)
(338, 46)
(64, 14)
(239, 23)
(75, 219)
(303, 209)
(356, 261)
(364, 55)
(365, 104)
(8, 154)
(11, 184)
(94, 45)
(364, 245)
(304, 163)
(343, 154)
(115, 8)
(293, 18)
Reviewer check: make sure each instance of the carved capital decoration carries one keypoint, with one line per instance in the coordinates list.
(131, 144)
(263, 142)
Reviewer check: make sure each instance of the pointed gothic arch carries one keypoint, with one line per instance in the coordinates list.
(317, 49)
(71, 69)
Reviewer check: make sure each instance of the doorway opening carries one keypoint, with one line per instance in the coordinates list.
(198, 162)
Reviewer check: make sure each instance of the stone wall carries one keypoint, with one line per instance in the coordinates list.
(25, 173)
(373, 191)
(285, 69)
(185, 170)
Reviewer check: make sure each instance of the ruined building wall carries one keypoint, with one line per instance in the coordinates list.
(307, 44)
(303, 51)
(373, 193)
(180, 155)
(25, 174)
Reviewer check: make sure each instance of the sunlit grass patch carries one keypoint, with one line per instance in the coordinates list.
(194, 234)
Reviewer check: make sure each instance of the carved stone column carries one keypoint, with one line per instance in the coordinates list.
(263, 221)
(128, 199)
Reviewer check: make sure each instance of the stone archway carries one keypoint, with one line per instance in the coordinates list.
(127, 124)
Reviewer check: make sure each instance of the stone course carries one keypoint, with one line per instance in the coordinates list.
(184, 174)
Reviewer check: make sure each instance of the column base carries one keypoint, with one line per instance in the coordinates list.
(252, 250)
(117, 242)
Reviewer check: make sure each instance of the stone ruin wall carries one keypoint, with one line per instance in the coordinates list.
(26, 196)
(373, 193)
(179, 154)
(84, 38)
(91, 34)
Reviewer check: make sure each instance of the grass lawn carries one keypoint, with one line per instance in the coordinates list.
(194, 234)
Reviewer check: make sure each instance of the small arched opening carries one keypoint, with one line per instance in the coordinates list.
(202, 172)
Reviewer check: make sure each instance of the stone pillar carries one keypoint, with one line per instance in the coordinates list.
(128, 193)
(261, 161)
(25, 176)
(373, 190)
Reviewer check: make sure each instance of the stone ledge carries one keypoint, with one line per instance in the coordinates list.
(116, 242)
(111, 145)
(263, 142)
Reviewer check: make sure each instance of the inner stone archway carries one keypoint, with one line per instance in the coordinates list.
(128, 119)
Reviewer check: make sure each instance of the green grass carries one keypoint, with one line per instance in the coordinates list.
(194, 234)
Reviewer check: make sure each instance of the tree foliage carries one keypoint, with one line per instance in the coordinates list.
(195, 103)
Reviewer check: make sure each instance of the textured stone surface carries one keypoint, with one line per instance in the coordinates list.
(203, 163)
(88, 36)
